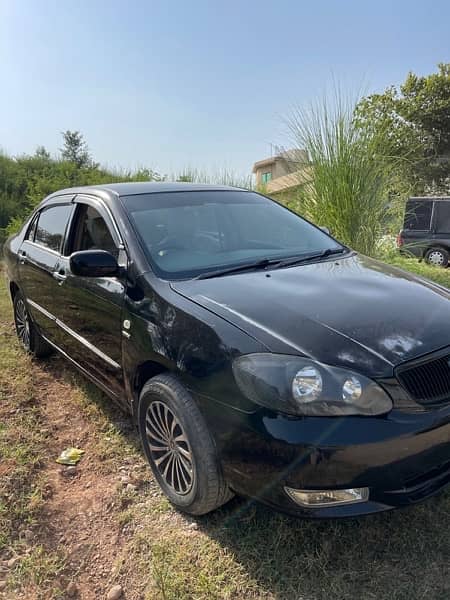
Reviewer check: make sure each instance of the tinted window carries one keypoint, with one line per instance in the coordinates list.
(52, 225)
(92, 233)
(418, 214)
(187, 233)
(442, 218)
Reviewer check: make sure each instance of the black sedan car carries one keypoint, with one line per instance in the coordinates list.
(258, 355)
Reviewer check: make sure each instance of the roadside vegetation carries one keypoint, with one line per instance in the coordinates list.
(367, 155)
(349, 178)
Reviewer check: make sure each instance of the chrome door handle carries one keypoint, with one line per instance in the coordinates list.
(23, 257)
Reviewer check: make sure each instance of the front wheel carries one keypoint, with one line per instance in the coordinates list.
(179, 447)
(28, 336)
(438, 257)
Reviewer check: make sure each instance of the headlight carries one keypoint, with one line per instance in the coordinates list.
(300, 386)
(307, 384)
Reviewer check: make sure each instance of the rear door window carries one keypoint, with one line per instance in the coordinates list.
(418, 215)
(442, 217)
(51, 226)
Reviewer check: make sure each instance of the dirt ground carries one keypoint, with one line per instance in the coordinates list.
(78, 518)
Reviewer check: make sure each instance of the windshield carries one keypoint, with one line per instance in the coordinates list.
(189, 233)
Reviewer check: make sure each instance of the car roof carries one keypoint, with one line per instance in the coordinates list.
(113, 190)
(430, 198)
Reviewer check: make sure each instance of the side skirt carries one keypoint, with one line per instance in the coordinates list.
(120, 401)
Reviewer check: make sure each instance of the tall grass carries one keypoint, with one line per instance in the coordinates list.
(222, 176)
(347, 190)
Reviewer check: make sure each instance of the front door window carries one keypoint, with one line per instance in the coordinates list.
(91, 232)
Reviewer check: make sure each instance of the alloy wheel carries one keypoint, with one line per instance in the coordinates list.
(170, 448)
(22, 323)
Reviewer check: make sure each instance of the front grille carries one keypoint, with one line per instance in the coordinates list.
(427, 380)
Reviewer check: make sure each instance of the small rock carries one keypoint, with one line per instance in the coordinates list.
(2, 585)
(69, 472)
(12, 562)
(131, 487)
(193, 525)
(115, 593)
(72, 590)
(125, 479)
(28, 535)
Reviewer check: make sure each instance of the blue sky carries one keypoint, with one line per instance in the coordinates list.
(174, 83)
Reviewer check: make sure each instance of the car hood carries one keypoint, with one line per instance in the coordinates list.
(354, 312)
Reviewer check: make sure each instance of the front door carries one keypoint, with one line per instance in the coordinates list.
(90, 311)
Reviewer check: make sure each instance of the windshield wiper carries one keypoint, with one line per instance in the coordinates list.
(257, 264)
(274, 262)
(297, 260)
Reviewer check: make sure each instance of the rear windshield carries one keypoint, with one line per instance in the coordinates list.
(418, 214)
(189, 233)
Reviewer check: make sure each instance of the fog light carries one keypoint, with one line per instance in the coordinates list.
(323, 498)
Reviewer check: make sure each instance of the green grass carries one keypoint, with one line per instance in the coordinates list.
(22, 451)
(247, 551)
(436, 274)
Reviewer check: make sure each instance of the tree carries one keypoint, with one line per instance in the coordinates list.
(414, 121)
(42, 152)
(75, 150)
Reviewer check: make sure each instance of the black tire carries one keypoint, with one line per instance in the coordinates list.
(27, 333)
(171, 425)
(437, 256)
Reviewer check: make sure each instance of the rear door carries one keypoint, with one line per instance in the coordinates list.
(441, 223)
(89, 313)
(417, 230)
(39, 256)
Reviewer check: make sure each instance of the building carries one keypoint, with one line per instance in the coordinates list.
(282, 172)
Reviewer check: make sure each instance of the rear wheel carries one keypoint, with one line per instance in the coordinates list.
(438, 257)
(179, 447)
(28, 336)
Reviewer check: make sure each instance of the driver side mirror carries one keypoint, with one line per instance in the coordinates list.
(93, 263)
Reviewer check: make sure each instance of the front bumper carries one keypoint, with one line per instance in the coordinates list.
(403, 458)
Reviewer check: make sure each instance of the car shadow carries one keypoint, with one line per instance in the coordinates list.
(403, 554)
(397, 554)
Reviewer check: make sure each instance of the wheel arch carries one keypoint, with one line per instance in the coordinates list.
(438, 246)
(143, 372)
